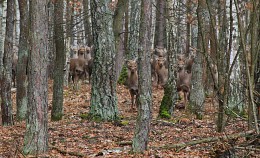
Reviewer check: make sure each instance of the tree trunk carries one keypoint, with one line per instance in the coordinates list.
(36, 134)
(17, 24)
(51, 45)
(144, 99)
(197, 95)
(103, 93)
(160, 39)
(118, 25)
(170, 96)
(22, 82)
(6, 78)
(57, 101)
(133, 36)
(87, 26)
(220, 41)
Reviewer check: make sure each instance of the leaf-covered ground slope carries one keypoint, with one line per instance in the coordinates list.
(75, 136)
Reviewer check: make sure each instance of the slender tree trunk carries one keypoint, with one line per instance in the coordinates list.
(220, 45)
(118, 25)
(51, 44)
(252, 120)
(133, 36)
(6, 78)
(87, 25)
(188, 25)
(160, 39)
(17, 24)
(103, 93)
(197, 95)
(2, 34)
(144, 99)
(170, 96)
(36, 134)
(22, 82)
(57, 101)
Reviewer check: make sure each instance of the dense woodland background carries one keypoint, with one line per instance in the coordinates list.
(47, 113)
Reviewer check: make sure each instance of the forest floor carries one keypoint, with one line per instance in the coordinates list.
(75, 136)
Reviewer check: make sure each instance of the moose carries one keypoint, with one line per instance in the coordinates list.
(79, 63)
(184, 66)
(132, 81)
(161, 71)
(158, 54)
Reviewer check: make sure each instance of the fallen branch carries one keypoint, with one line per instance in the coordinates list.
(206, 140)
(247, 148)
(68, 152)
(125, 143)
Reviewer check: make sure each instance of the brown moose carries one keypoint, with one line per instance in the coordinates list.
(184, 66)
(132, 81)
(158, 53)
(161, 71)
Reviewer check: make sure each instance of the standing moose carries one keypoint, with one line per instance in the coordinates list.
(132, 81)
(184, 66)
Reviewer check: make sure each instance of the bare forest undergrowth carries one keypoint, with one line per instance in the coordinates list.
(75, 136)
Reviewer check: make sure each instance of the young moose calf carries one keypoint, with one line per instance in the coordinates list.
(132, 81)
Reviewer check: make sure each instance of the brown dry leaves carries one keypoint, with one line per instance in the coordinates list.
(77, 137)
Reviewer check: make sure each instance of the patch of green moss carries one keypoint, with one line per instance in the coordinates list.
(85, 137)
(83, 116)
(96, 118)
(123, 76)
(165, 105)
(124, 122)
(56, 117)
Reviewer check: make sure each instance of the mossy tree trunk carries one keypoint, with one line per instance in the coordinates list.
(170, 94)
(144, 99)
(36, 134)
(22, 81)
(103, 91)
(57, 101)
(6, 77)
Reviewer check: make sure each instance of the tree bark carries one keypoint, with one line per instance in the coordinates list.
(22, 81)
(87, 25)
(36, 134)
(118, 25)
(160, 39)
(170, 96)
(133, 29)
(6, 78)
(252, 120)
(197, 95)
(57, 101)
(144, 99)
(103, 92)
